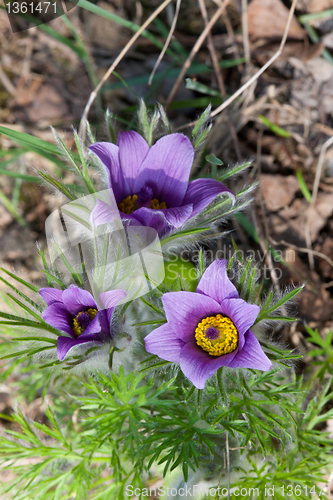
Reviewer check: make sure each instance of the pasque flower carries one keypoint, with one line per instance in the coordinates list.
(151, 185)
(208, 329)
(75, 312)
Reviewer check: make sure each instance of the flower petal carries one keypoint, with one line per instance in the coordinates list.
(51, 295)
(104, 317)
(201, 192)
(103, 213)
(57, 315)
(241, 313)
(216, 284)
(166, 169)
(132, 151)
(64, 344)
(176, 217)
(252, 355)
(77, 300)
(184, 310)
(150, 218)
(197, 365)
(164, 343)
(94, 327)
(111, 298)
(108, 153)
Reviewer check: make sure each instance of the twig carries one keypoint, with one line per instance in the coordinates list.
(166, 45)
(211, 48)
(301, 249)
(328, 285)
(219, 77)
(194, 51)
(245, 27)
(6, 82)
(308, 240)
(253, 78)
(324, 148)
(263, 69)
(115, 63)
(232, 37)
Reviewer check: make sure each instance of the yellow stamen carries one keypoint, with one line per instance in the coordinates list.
(156, 205)
(226, 340)
(129, 204)
(77, 329)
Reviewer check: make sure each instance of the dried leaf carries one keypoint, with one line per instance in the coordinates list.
(268, 19)
(319, 5)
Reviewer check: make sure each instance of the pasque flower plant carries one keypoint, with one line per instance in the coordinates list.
(130, 419)
(151, 185)
(75, 312)
(208, 329)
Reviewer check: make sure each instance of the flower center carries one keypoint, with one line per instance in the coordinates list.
(82, 320)
(217, 335)
(130, 204)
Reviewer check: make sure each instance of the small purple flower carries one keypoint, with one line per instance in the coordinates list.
(75, 312)
(151, 185)
(208, 329)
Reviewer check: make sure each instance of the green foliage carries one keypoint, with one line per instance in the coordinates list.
(274, 128)
(304, 188)
(267, 309)
(125, 427)
(323, 354)
(131, 422)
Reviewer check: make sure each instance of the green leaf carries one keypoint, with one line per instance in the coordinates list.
(212, 159)
(201, 121)
(325, 14)
(264, 313)
(38, 339)
(244, 275)
(200, 87)
(28, 352)
(152, 322)
(152, 307)
(201, 263)
(201, 137)
(250, 284)
(20, 280)
(12, 209)
(85, 173)
(31, 302)
(230, 172)
(18, 175)
(30, 141)
(184, 233)
(61, 187)
(304, 188)
(274, 128)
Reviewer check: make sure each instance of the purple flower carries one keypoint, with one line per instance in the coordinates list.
(208, 329)
(75, 312)
(151, 185)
